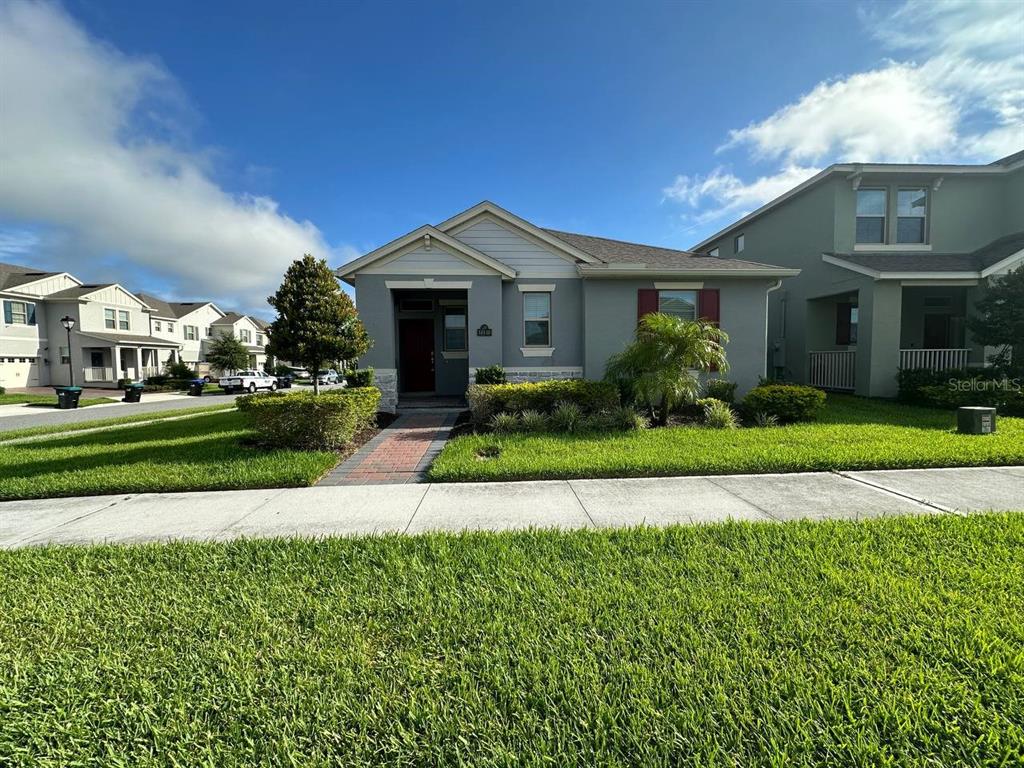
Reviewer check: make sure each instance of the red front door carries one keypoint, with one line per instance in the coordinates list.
(416, 355)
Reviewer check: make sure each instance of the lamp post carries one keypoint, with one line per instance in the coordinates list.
(69, 322)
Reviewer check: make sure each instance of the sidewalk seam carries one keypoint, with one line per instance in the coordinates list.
(419, 503)
(580, 502)
(733, 493)
(252, 511)
(41, 531)
(902, 495)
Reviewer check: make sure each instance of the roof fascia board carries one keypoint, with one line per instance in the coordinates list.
(522, 224)
(600, 272)
(68, 275)
(879, 275)
(352, 267)
(1003, 263)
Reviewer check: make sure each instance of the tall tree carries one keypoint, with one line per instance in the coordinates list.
(999, 321)
(226, 354)
(657, 367)
(317, 322)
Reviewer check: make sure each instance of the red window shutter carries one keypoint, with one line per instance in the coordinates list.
(708, 305)
(646, 302)
(843, 322)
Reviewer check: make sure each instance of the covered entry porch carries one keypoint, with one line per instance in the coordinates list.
(859, 340)
(106, 361)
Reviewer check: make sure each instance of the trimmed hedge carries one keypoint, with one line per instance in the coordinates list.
(956, 387)
(492, 374)
(359, 377)
(486, 400)
(789, 403)
(1008, 402)
(304, 420)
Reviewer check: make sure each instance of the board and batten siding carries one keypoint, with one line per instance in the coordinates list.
(528, 258)
(47, 285)
(435, 260)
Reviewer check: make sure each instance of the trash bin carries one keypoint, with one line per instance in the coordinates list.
(132, 393)
(284, 382)
(976, 420)
(67, 397)
(195, 387)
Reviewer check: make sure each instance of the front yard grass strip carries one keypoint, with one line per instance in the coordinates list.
(165, 456)
(852, 433)
(65, 429)
(892, 642)
(17, 399)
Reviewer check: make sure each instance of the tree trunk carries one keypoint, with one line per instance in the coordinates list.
(316, 383)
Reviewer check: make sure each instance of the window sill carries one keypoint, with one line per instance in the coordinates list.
(537, 351)
(897, 247)
(455, 354)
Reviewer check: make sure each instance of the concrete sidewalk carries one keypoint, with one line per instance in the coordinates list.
(348, 510)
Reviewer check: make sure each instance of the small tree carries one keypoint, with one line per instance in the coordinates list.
(999, 321)
(656, 367)
(227, 353)
(316, 321)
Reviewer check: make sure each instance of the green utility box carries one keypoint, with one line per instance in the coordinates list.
(976, 420)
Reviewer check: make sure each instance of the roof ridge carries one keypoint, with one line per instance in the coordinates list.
(557, 232)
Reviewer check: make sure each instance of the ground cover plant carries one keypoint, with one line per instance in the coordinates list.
(15, 398)
(892, 642)
(165, 456)
(52, 429)
(850, 433)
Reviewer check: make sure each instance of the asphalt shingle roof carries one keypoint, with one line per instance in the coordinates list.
(78, 291)
(917, 261)
(621, 252)
(13, 275)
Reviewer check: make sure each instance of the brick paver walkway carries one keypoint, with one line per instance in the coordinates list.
(400, 453)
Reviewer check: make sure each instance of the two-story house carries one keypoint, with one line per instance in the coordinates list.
(892, 260)
(248, 330)
(189, 323)
(56, 329)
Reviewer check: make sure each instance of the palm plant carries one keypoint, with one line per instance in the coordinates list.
(657, 369)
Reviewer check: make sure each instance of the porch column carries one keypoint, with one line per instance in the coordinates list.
(115, 362)
(484, 308)
(878, 338)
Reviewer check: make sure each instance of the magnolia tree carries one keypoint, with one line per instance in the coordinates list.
(657, 368)
(316, 321)
(1000, 319)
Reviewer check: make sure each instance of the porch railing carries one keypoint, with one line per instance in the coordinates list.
(833, 370)
(934, 359)
(150, 371)
(98, 374)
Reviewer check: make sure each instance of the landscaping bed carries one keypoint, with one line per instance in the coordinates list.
(851, 433)
(891, 642)
(166, 456)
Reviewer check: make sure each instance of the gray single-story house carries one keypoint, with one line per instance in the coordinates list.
(487, 287)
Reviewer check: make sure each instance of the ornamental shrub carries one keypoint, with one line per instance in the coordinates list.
(178, 370)
(492, 374)
(717, 414)
(913, 381)
(1007, 401)
(720, 389)
(485, 400)
(310, 421)
(359, 377)
(787, 402)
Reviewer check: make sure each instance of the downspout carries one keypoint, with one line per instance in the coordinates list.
(774, 287)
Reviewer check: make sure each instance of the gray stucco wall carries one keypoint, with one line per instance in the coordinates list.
(610, 312)
(566, 324)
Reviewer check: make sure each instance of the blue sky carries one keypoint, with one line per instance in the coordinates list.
(196, 148)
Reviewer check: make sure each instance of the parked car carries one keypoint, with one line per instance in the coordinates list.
(248, 380)
(330, 376)
(300, 373)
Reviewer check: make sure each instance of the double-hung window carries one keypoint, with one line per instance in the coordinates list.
(455, 339)
(157, 326)
(170, 327)
(871, 205)
(244, 335)
(259, 339)
(739, 243)
(19, 312)
(681, 304)
(537, 319)
(911, 211)
(191, 332)
(123, 322)
(110, 319)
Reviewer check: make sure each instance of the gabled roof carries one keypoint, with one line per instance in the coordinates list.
(175, 309)
(980, 263)
(16, 275)
(229, 318)
(160, 307)
(1003, 165)
(80, 290)
(425, 233)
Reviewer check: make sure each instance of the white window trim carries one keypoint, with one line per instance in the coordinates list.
(454, 354)
(550, 322)
(111, 309)
(886, 220)
(536, 288)
(927, 214)
(679, 286)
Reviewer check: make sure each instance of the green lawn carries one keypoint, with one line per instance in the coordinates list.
(52, 429)
(853, 433)
(892, 642)
(17, 399)
(166, 456)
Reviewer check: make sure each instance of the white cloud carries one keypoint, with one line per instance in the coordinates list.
(958, 97)
(94, 145)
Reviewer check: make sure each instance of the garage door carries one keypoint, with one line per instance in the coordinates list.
(19, 372)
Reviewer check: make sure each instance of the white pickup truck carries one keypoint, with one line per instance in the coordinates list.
(247, 380)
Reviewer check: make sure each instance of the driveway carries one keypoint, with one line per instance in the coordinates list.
(411, 508)
(20, 417)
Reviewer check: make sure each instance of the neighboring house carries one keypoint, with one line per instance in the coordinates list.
(892, 260)
(248, 330)
(487, 288)
(110, 340)
(190, 323)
